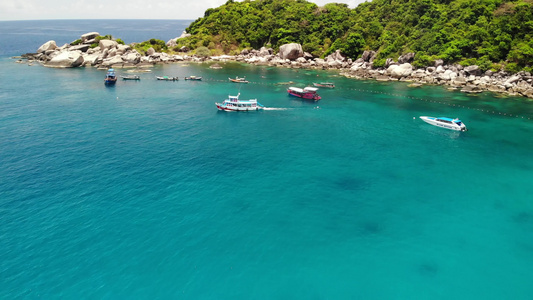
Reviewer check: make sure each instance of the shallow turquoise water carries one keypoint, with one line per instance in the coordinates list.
(144, 190)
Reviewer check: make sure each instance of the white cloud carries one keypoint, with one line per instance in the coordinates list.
(116, 9)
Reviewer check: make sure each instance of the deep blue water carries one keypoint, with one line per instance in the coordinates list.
(145, 191)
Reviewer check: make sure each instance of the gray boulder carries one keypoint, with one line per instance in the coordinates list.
(82, 48)
(399, 71)
(334, 64)
(123, 48)
(336, 56)
(512, 79)
(90, 59)
(132, 57)
(184, 34)
(107, 44)
(115, 60)
(439, 62)
(66, 59)
(290, 51)
(406, 58)
(473, 70)
(389, 62)
(172, 43)
(264, 51)
(112, 52)
(50, 45)
(447, 75)
(458, 81)
(150, 51)
(368, 56)
(87, 37)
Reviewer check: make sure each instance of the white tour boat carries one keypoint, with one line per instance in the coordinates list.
(234, 104)
(448, 123)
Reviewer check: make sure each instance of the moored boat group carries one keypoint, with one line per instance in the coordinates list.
(233, 103)
(111, 77)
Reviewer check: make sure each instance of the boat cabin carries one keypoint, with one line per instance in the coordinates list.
(449, 121)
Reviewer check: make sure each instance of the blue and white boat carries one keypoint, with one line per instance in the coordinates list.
(110, 77)
(234, 104)
(448, 123)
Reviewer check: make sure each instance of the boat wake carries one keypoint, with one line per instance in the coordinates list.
(275, 108)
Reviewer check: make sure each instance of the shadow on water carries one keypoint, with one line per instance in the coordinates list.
(428, 269)
(370, 228)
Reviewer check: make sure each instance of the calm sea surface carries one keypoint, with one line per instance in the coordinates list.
(145, 191)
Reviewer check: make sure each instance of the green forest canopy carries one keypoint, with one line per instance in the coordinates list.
(489, 33)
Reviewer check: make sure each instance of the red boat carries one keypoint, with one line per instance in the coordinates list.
(305, 93)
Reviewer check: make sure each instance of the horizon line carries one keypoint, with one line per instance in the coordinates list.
(116, 19)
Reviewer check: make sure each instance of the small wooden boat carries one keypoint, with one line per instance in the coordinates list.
(131, 77)
(238, 80)
(167, 78)
(193, 78)
(110, 77)
(324, 84)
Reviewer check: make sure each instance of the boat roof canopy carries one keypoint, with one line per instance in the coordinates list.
(311, 89)
(298, 90)
(306, 89)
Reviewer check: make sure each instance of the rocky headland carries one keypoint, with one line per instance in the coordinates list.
(109, 53)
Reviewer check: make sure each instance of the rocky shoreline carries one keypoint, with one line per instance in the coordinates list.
(109, 54)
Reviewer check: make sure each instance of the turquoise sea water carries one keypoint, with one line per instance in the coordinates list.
(145, 191)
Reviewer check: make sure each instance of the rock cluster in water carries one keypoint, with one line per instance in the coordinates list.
(469, 79)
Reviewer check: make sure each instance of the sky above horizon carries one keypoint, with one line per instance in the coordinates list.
(117, 9)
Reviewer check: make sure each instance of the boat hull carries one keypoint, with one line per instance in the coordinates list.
(324, 85)
(167, 78)
(240, 80)
(222, 107)
(309, 96)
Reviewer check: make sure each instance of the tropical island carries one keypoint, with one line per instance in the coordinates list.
(472, 45)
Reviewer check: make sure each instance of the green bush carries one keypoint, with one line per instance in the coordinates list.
(76, 42)
(422, 60)
(379, 63)
(512, 68)
(203, 51)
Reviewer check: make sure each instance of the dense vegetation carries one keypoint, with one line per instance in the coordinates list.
(156, 44)
(490, 33)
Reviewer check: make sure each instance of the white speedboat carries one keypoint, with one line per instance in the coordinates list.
(448, 123)
(234, 104)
